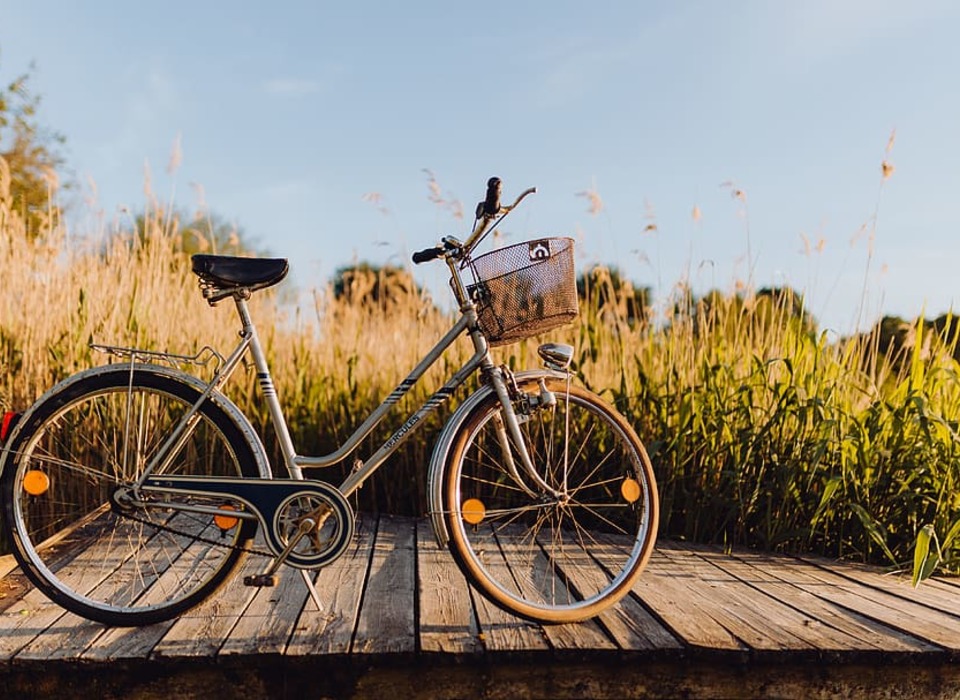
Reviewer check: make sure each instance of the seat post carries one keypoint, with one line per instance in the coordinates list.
(267, 389)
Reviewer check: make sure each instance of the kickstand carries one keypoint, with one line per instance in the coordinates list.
(313, 589)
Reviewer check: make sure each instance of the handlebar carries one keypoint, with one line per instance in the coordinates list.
(422, 256)
(490, 206)
(487, 210)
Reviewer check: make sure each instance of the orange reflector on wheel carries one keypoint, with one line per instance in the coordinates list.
(223, 521)
(473, 511)
(35, 482)
(630, 490)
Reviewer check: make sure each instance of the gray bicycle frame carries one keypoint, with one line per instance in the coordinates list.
(508, 431)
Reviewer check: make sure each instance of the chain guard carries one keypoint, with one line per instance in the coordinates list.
(279, 505)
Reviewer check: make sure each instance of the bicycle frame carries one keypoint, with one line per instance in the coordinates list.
(147, 469)
(295, 463)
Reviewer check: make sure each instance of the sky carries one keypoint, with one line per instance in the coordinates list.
(721, 144)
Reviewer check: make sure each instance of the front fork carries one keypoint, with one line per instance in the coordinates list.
(507, 423)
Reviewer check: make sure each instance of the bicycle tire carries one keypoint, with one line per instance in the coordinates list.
(73, 543)
(552, 558)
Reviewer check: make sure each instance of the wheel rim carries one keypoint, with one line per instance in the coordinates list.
(554, 556)
(88, 548)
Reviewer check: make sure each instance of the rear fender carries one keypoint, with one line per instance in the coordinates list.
(221, 401)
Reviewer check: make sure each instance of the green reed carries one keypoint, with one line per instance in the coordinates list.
(765, 434)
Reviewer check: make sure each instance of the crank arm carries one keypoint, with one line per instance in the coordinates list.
(303, 529)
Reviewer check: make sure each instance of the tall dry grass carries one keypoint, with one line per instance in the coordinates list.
(761, 431)
(332, 361)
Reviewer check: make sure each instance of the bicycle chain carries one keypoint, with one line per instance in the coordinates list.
(197, 538)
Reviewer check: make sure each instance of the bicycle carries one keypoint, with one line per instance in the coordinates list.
(133, 490)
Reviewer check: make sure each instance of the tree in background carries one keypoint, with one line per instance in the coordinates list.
(365, 283)
(31, 167)
(605, 290)
(779, 304)
(201, 232)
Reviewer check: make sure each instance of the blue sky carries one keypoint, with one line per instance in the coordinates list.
(287, 117)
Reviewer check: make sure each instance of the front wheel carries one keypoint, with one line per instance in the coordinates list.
(75, 537)
(566, 542)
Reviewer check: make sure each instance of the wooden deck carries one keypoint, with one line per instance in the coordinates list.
(400, 622)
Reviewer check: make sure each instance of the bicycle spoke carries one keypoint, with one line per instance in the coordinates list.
(585, 455)
(123, 563)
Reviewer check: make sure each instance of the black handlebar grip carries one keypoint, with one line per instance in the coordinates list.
(422, 256)
(491, 204)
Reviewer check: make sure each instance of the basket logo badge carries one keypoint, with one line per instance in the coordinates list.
(539, 250)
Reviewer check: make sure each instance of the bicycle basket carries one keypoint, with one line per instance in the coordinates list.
(525, 289)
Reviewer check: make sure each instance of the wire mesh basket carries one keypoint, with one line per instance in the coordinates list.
(525, 289)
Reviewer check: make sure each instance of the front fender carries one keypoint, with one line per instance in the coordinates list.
(441, 450)
(222, 402)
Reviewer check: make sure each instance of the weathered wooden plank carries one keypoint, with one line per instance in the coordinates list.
(633, 628)
(65, 639)
(672, 593)
(578, 636)
(628, 623)
(499, 630)
(138, 642)
(940, 595)
(910, 618)
(583, 635)
(753, 617)
(823, 624)
(95, 568)
(141, 642)
(340, 585)
(201, 632)
(269, 620)
(502, 632)
(20, 624)
(13, 586)
(7, 564)
(945, 581)
(448, 623)
(387, 612)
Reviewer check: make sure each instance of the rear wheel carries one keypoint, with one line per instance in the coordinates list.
(75, 534)
(564, 544)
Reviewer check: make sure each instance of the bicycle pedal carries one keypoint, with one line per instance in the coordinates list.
(261, 580)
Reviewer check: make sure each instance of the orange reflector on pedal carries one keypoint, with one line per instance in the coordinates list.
(473, 511)
(226, 522)
(35, 482)
(630, 490)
